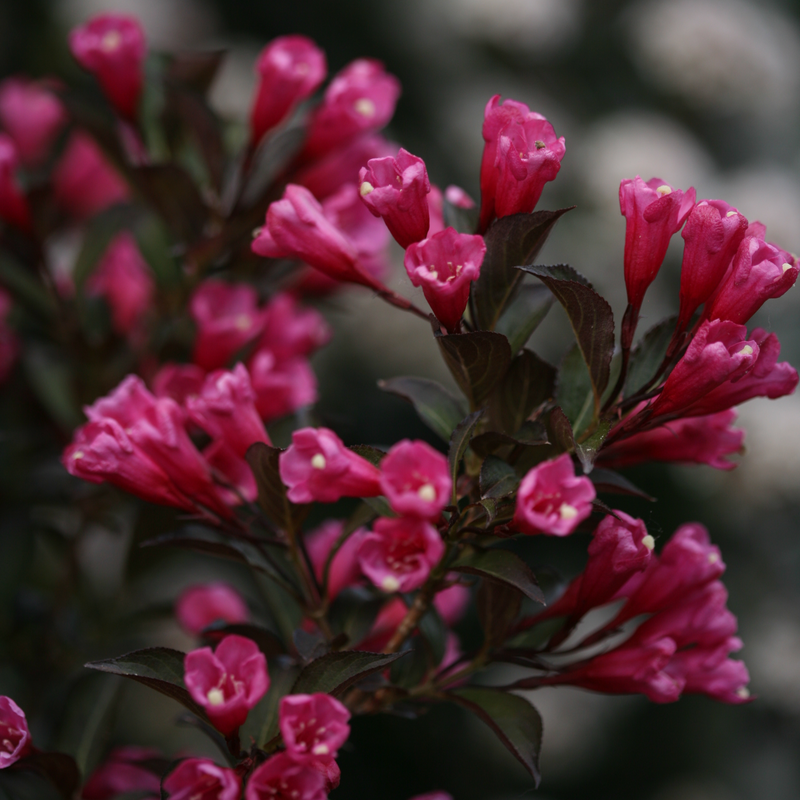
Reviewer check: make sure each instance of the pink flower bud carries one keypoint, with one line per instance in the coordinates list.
(232, 472)
(396, 189)
(32, 116)
(360, 98)
(521, 154)
(759, 271)
(458, 197)
(653, 211)
(112, 47)
(726, 681)
(227, 318)
(84, 183)
(14, 207)
(445, 266)
(126, 282)
(122, 772)
(178, 381)
(15, 738)
(317, 466)
(292, 330)
(416, 480)
(289, 68)
(225, 409)
(713, 232)
(551, 499)
(281, 386)
(283, 778)
(227, 682)
(435, 210)
(398, 554)
(202, 779)
(345, 570)
(314, 727)
(202, 605)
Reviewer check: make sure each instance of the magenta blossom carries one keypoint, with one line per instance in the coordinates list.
(344, 569)
(178, 381)
(292, 330)
(32, 116)
(551, 499)
(398, 554)
(289, 68)
(283, 778)
(416, 480)
(458, 197)
(124, 771)
(15, 738)
(317, 466)
(14, 207)
(445, 266)
(313, 726)
(204, 604)
(112, 47)
(232, 472)
(653, 211)
(227, 682)
(281, 386)
(202, 779)
(396, 189)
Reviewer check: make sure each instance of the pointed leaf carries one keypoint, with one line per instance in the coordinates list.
(268, 643)
(531, 434)
(574, 390)
(503, 566)
(648, 355)
(512, 241)
(478, 361)
(434, 629)
(353, 613)
(515, 721)
(459, 442)
(263, 461)
(559, 431)
(587, 450)
(498, 479)
(525, 314)
(335, 672)
(498, 605)
(368, 453)
(528, 382)
(437, 408)
(606, 480)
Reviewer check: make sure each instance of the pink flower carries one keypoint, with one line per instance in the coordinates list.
(289, 68)
(204, 604)
(521, 154)
(281, 386)
(227, 682)
(317, 466)
(227, 318)
(458, 197)
(112, 47)
(726, 681)
(178, 381)
(126, 282)
(396, 189)
(15, 738)
(713, 232)
(445, 266)
(32, 116)
(14, 207)
(202, 779)
(653, 211)
(292, 330)
(398, 554)
(551, 499)
(435, 210)
(345, 570)
(314, 727)
(698, 440)
(124, 771)
(416, 480)
(283, 778)
(232, 473)
(83, 181)
(225, 409)
(759, 271)
(360, 98)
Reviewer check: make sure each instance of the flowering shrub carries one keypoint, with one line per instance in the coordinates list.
(188, 353)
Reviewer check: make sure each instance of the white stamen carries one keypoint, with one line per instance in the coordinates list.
(365, 107)
(713, 558)
(366, 188)
(77, 455)
(649, 542)
(318, 461)
(215, 697)
(111, 41)
(433, 273)
(747, 350)
(731, 213)
(243, 322)
(566, 511)
(390, 584)
(427, 492)
(663, 189)
(786, 267)
(321, 750)
(743, 692)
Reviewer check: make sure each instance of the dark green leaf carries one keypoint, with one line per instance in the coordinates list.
(525, 313)
(51, 379)
(498, 479)
(498, 605)
(410, 671)
(100, 230)
(263, 461)
(22, 283)
(606, 480)
(647, 356)
(528, 382)
(515, 721)
(437, 408)
(511, 242)
(574, 391)
(478, 361)
(531, 434)
(60, 769)
(371, 454)
(590, 316)
(459, 442)
(160, 668)
(587, 450)
(380, 505)
(353, 613)
(503, 566)
(433, 628)
(170, 190)
(535, 636)
(559, 431)
(335, 672)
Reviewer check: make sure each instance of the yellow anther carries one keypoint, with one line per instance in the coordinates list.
(111, 41)
(243, 322)
(215, 697)
(731, 213)
(366, 188)
(663, 189)
(427, 492)
(365, 107)
(566, 511)
(77, 455)
(713, 558)
(320, 750)
(743, 692)
(747, 350)
(786, 266)
(390, 584)
(649, 542)
(318, 461)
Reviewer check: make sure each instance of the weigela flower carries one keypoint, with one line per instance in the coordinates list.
(344, 570)
(15, 738)
(124, 771)
(551, 499)
(178, 381)
(202, 779)
(712, 233)
(416, 480)
(653, 212)
(32, 116)
(458, 197)
(14, 207)
(227, 318)
(232, 472)
(317, 466)
(712, 674)
(281, 386)
(227, 682)
(313, 726)
(204, 604)
(283, 778)
(360, 98)
(292, 330)
(112, 47)
(521, 154)
(445, 265)
(289, 69)
(126, 282)
(396, 189)
(397, 555)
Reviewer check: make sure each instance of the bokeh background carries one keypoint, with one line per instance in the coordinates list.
(697, 92)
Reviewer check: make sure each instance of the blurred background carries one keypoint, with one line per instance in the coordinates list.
(696, 92)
